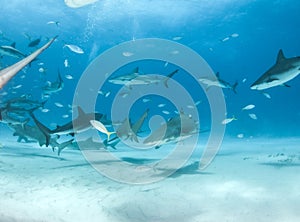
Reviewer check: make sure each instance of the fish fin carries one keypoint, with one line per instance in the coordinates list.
(72, 134)
(286, 85)
(13, 45)
(280, 56)
(135, 70)
(272, 79)
(63, 145)
(218, 75)
(46, 131)
(80, 111)
(169, 76)
(234, 87)
(108, 135)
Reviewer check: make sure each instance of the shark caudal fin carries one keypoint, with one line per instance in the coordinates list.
(45, 130)
(63, 145)
(169, 77)
(234, 87)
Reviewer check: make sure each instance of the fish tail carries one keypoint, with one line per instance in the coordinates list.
(169, 77)
(108, 135)
(63, 145)
(234, 87)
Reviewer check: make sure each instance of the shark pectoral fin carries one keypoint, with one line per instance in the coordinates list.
(286, 85)
(272, 79)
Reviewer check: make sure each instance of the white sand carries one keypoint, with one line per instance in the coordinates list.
(248, 181)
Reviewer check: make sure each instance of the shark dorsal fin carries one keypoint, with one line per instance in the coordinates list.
(136, 70)
(13, 45)
(280, 56)
(80, 111)
(218, 75)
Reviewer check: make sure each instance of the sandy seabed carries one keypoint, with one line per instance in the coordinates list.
(249, 180)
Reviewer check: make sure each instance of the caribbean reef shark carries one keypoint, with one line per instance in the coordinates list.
(136, 78)
(79, 124)
(10, 71)
(284, 70)
(212, 81)
(6, 50)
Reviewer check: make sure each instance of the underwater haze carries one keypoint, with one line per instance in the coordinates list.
(104, 125)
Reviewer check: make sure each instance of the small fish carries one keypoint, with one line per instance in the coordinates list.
(175, 52)
(100, 127)
(65, 116)
(53, 22)
(66, 63)
(267, 95)
(161, 105)
(252, 116)
(177, 38)
(166, 112)
(190, 106)
(45, 110)
(17, 86)
(127, 54)
(74, 48)
(234, 35)
(146, 100)
(166, 64)
(228, 120)
(107, 94)
(42, 70)
(244, 80)
(248, 107)
(68, 76)
(58, 104)
(40, 63)
(100, 92)
(198, 102)
(225, 39)
(241, 135)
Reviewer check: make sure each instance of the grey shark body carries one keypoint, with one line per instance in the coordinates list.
(79, 124)
(27, 132)
(136, 78)
(284, 70)
(54, 87)
(217, 81)
(11, 51)
(175, 129)
(10, 71)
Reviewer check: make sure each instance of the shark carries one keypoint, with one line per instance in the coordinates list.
(11, 51)
(9, 72)
(284, 70)
(175, 129)
(54, 87)
(79, 124)
(129, 131)
(217, 81)
(27, 132)
(136, 78)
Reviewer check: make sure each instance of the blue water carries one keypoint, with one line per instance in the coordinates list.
(263, 28)
(239, 39)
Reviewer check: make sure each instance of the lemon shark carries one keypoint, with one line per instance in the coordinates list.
(284, 70)
(9, 72)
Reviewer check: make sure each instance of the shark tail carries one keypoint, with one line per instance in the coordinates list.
(63, 145)
(45, 130)
(169, 77)
(234, 87)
